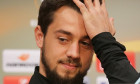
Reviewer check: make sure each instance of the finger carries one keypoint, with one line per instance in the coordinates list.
(96, 3)
(81, 6)
(103, 7)
(113, 31)
(88, 4)
(103, 2)
(90, 1)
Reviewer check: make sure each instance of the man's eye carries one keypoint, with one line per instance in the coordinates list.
(85, 43)
(62, 39)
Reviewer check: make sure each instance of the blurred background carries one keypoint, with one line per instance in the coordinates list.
(19, 53)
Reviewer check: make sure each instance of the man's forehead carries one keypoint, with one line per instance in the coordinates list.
(70, 21)
(65, 10)
(68, 15)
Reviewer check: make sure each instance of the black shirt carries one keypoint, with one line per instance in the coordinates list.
(37, 78)
(115, 63)
(111, 54)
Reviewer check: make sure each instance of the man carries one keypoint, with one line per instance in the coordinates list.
(68, 33)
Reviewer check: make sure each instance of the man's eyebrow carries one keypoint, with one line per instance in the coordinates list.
(86, 37)
(70, 34)
(64, 32)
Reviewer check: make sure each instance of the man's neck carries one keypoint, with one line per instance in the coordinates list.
(42, 70)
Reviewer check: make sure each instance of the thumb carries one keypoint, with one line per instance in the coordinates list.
(112, 29)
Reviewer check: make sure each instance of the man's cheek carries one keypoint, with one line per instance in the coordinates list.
(86, 63)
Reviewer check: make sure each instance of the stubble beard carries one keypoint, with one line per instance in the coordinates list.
(55, 78)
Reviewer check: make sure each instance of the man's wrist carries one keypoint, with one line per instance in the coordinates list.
(104, 41)
(105, 34)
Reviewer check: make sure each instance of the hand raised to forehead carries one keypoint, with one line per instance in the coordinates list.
(95, 17)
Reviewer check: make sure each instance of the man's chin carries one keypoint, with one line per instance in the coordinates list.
(67, 72)
(67, 75)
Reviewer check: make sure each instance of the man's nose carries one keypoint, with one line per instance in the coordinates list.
(73, 51)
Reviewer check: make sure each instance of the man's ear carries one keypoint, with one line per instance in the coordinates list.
(39, 36)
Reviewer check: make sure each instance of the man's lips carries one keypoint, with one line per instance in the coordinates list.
(69, 66)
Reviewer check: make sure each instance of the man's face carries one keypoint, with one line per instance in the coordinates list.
(67, 49)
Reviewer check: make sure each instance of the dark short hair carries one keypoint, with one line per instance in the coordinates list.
(48, 8)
